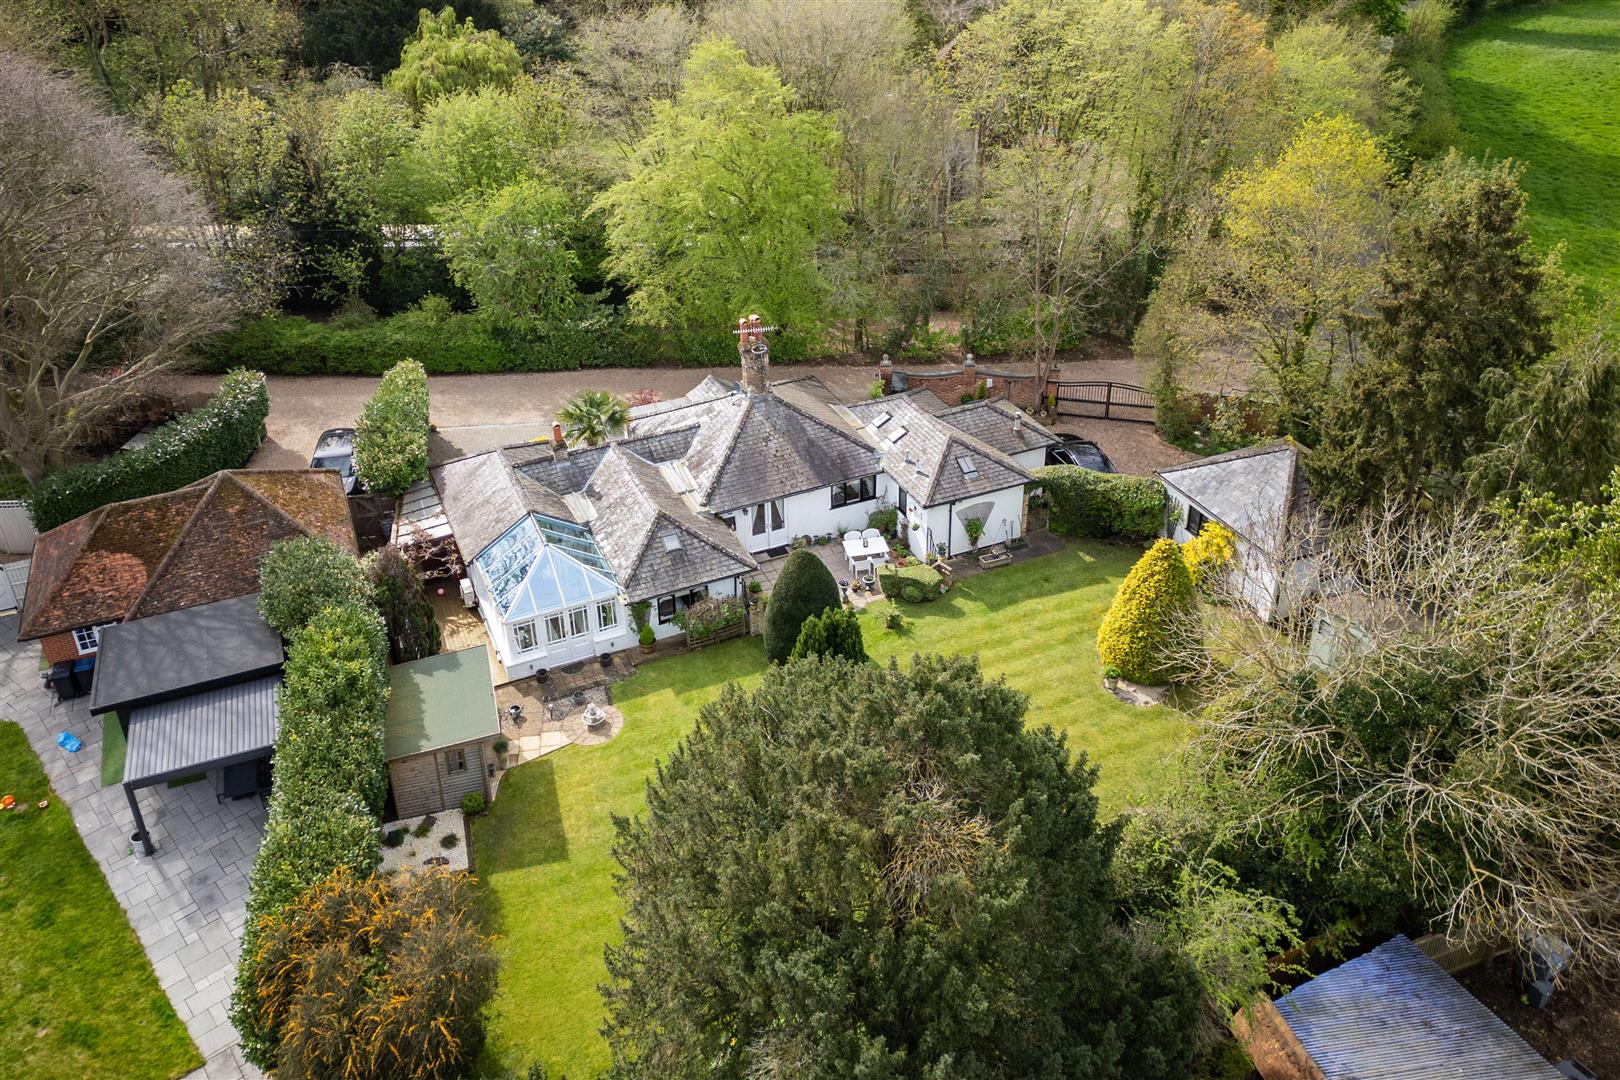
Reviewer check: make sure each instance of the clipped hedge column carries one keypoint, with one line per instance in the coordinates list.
(1141, 634)
(805, 588)
(391, 439)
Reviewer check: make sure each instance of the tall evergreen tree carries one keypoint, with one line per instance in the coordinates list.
(804, 588)
(859, 871)
(1459, 321)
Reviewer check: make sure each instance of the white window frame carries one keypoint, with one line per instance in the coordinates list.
(607, 615)
(556, 627)
(518, 631)
(82, 634)
(579, 621)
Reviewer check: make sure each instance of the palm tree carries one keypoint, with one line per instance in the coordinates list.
(594, 416)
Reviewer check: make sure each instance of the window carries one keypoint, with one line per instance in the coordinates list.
(88, 639)
(455, 761)
(523, 635)
(854, 491)
(1195, 520)
(666, 608)
(578, 622)
(669, 605)
(969, 469)
(671, 539)
(607, 615)
(730, 521)
(882, 418)
(556, 629)
(896, 435)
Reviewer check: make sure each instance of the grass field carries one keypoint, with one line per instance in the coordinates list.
(1541, 84)
(79, 997)
(543, 853)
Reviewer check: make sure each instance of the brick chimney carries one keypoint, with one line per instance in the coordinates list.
(754, 353)
(559, 448)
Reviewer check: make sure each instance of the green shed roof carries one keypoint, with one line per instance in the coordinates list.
(439, 701)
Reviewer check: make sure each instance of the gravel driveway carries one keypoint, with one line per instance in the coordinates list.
(473, 413)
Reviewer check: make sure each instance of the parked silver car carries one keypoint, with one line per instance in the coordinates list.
(335, 450)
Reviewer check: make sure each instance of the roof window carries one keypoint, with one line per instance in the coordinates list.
(969, 469)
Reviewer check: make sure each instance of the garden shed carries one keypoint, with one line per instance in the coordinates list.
(441, 718)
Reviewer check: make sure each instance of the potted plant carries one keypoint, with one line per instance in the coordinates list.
(974, 527)
(1110, 677)
(648, 640)
(605, 659)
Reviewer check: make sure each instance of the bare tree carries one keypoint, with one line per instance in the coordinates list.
(1457, 711)
(102, 279)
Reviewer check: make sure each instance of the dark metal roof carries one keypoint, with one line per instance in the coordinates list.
(203, 731)
(180, 652)
(1394, 1014)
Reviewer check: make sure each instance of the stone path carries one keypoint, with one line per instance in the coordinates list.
(187, 903)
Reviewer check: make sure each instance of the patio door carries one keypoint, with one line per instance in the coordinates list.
(768, 525)
(568, 635)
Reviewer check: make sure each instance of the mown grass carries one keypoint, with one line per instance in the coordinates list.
(79, 997)
(544, 852)
(1541, 84)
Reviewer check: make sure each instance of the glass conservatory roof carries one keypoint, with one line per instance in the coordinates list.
(542, 564)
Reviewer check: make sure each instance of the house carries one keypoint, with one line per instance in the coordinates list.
(144, 557)
(441, 720)
(1392, 1012)
(564, 545)
(1261, 494)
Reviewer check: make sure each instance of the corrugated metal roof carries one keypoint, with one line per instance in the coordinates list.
(164, 655)
(1394, 1014)
(192, 734)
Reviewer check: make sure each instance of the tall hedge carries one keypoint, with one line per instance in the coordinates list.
(301, 575)
(331, 780)
(222, 434)
(805, 588)
(1142, 633)
(1106, 506)
(391, 439)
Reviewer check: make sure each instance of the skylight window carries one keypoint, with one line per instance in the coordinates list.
(882, 418)
(672, 540)
(969, 469)
(896, 435)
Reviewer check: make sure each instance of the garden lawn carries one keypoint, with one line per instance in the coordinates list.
(79, 998)
(544, 851)
(1541, 84)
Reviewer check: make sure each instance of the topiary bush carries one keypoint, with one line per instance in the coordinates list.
(391, 438)
(301, 575)
(805, 588)
(1102, 505)
(1142, 633)
(915, 583)
(835, 633)
(1208, 553)
(222, 434)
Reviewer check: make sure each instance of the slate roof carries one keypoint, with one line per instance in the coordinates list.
(1259, 492)
(483, 495)
(710, 388)
(1394, 1014)
(754, 447)
(635, 508)
(439, 701)
(934, 461)
(167, 552)
(998, 423)
(191, 650)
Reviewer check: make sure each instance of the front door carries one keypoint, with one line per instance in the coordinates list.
(768, 525)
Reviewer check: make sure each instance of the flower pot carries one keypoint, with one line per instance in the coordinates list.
(647, 650)
(605, 659)
(1110, 684)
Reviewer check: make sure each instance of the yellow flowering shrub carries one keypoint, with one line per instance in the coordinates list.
(1139, 635)
(1208, 552)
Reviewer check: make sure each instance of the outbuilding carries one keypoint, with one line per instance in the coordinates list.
(441, 719)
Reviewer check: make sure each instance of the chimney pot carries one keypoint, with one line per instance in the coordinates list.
(754, 354)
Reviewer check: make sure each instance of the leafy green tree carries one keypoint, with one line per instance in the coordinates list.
(867, 871)
(804, 588)
(370, 977)
(593, 417)
(231, 146)
(1143, 633)
(369, 34)
(366, 139)
(511, 250)
(301, 576)
(1331, 67)
(729, 197)
(476, 142)
(1459, 322)
(407, 613)
(835, 633)
(444, 56)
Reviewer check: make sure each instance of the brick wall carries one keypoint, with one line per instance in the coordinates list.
(59, 647)
(949, 386)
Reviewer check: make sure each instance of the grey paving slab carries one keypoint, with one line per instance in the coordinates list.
(186, 902)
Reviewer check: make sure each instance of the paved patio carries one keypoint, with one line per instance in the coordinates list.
(831, 556)
(187, 903)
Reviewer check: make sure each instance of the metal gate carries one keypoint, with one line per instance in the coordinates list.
(1104, 401)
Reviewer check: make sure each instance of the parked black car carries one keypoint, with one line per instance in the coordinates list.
(335, 450)
(1076, 451)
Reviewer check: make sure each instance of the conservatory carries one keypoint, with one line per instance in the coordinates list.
(549, 596)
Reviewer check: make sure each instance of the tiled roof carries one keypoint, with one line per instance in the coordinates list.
(1259, 492)
(483, 495)
(934, 461)
(754, 447)
(998, 423)
(176, 550)
(635, 509)
(1395, 1014)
